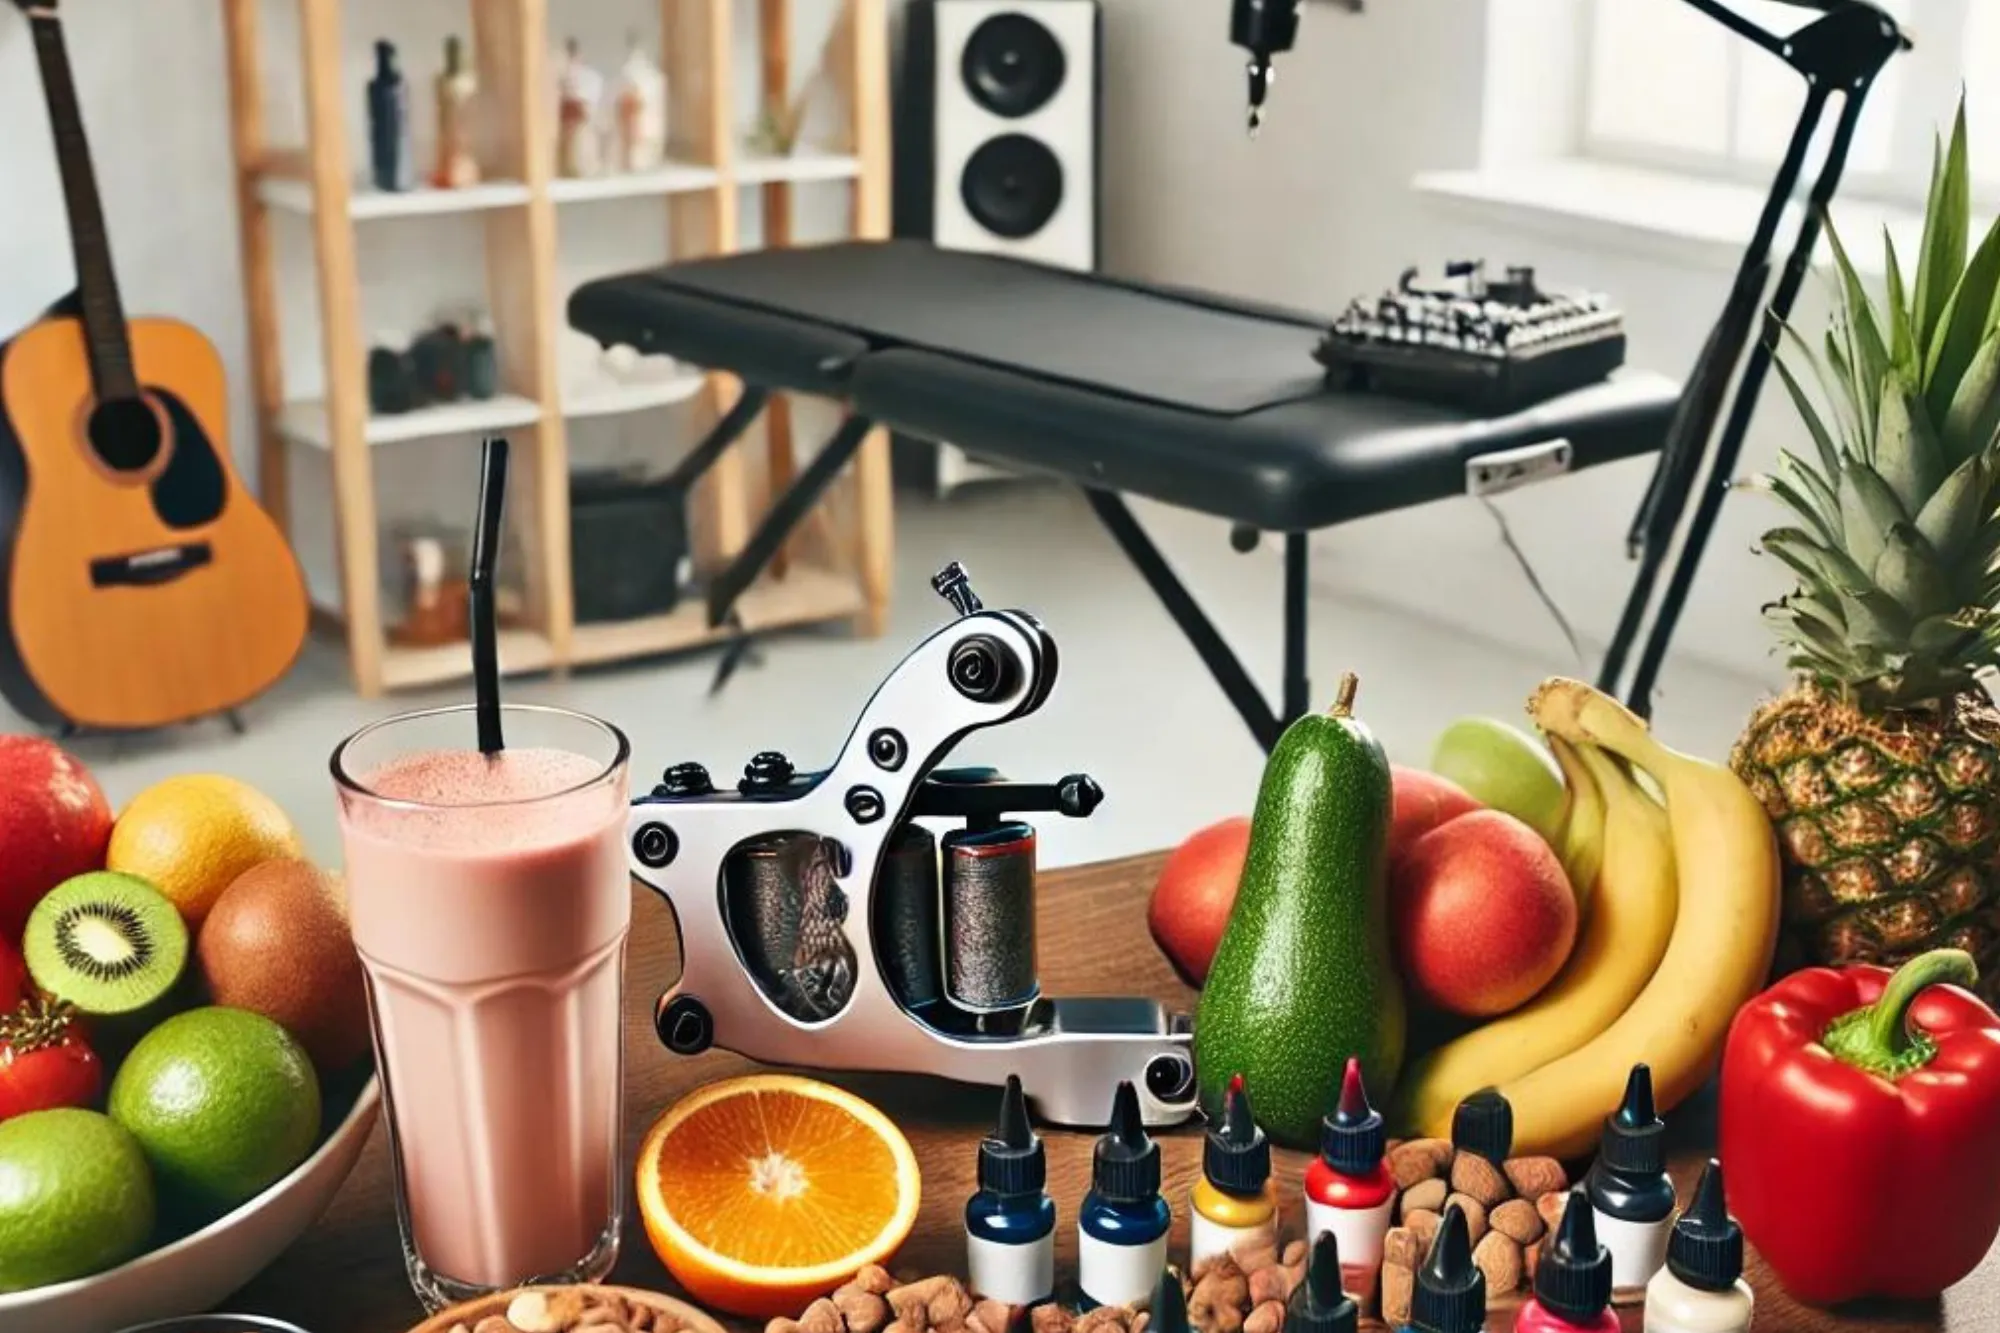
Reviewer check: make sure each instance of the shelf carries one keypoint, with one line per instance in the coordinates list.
(673, 178)
(804, 595)
(521, 650)
(603, 400)
(306, 422)
(296, 196)
(803, 164)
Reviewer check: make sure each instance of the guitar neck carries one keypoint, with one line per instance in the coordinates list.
(102, 310)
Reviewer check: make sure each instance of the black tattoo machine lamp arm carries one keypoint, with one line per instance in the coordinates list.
(1841, 51)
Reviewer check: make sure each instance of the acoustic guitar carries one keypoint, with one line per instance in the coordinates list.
(140, 584)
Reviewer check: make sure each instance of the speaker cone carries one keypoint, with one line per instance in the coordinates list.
(1012, 65)
(1012, 186)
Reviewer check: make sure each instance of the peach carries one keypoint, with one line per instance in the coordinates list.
(1194, 895)
(1422, 802)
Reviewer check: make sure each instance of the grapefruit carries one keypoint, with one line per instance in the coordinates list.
(54, 823)
(191, 836)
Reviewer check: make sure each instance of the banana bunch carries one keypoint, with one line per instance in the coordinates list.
(1681, 917)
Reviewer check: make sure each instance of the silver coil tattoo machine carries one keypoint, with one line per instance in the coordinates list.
(822, 926)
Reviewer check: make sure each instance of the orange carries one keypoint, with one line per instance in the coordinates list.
(762, 1194)
(191, 836)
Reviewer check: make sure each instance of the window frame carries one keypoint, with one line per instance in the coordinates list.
(1932, 74)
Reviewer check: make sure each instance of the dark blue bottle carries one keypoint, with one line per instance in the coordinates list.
(1122, 1228)
(1010, 1224)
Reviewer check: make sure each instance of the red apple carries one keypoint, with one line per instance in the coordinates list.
(54, 823)
(1196, 889)
(1422, 801)
(13, 976)
(1482, 913)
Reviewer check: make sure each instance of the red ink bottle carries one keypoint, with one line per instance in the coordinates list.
(1572, 1279)
(1349, 1191)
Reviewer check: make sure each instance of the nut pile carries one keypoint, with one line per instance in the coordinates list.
(874, 1301)
(1245, 1290)
(573, 1310)
(1508, 1209)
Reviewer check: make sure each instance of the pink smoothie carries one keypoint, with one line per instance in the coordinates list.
(494, 938)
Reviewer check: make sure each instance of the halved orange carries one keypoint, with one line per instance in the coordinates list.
(761, 1194)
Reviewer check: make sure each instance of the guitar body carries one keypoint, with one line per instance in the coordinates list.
(143, 585)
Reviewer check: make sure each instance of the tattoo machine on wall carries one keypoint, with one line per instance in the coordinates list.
(821, 926)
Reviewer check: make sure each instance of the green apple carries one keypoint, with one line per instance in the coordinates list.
(1503, 768)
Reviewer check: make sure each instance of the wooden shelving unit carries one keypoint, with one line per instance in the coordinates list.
(836, 570)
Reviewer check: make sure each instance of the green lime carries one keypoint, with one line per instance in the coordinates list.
(224, 1102)
(75, 1197)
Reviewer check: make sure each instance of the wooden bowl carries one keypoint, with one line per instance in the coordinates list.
(689, 1319)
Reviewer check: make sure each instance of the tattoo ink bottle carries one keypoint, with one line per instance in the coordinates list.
(1318, 1305)
(1168, 1311)
(1484, 1124)
(1701, 1290)
(1010, 1224)
(1349, 1191)
(1122, 1229)
(1629, 1188)
(1572, 1279)
(1235, 1200)
(1450, 1296)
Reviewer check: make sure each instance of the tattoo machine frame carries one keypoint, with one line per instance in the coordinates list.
(934, 972)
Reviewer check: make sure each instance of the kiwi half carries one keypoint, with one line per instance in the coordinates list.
(110, 944)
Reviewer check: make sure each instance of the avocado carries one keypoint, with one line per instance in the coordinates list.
(1303, 977)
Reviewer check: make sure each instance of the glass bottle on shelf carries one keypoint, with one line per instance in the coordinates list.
(457, 87)
(578, 149)
(388, 122)
(642, 110)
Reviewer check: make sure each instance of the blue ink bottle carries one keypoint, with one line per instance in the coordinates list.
(1450, 1296)
(1122, 1230)
(1629, 1188)
(1010, 1224)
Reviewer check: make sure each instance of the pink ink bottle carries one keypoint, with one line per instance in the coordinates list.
(1572, 1279)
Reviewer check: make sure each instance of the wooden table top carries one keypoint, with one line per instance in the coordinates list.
(346, 1274)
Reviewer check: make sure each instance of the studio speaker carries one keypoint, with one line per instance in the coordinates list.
(997, 146)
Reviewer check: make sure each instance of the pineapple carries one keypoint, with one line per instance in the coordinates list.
(1880, 766)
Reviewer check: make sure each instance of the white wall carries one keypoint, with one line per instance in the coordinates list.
(1313, 212)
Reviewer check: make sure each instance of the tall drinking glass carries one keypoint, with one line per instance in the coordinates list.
(491, 902)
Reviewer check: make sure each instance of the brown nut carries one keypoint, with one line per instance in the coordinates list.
(998, 1316)
(1267, 1284)
(1105, 1319)
(1425, 1196)
(1257, 1251)
(917, 1295)
(863, 1311)
(1424, 1226)
(1050, 1317)
(1475, 1215)
(1419, 1159)
(494, 1323)
(874, 1279)
(1474, 1175)
(460, 1327)
(1225, 1289)
(1268, 1317)
(782, 1325)
(1399, 1284)
(1532, 1177)
(1500, 1259)
(1295, 1253)
(533, 1312)
(1531, 1258)
(1550, 1206)
(1517, 1220)
(1402, 1246)
(822, 1316)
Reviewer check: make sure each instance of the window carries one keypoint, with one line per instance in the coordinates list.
(1667, 85)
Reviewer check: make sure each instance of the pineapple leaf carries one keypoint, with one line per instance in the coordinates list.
(1868, 353)
(1874, 619)
(1942, 638)
(1820, 566)
(1868, 510)
(1829, 453)
(1908, 571)
(1973, 418)
(1962, 325)
(1820, 610)
(1795, 631)
(1906, 446)
(1805, 507)
(1815, 487)
(1902, 339)
(1843, 375)
(1953, 513)
(1947, 221)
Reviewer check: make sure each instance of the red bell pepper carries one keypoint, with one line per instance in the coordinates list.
(1861, 1128)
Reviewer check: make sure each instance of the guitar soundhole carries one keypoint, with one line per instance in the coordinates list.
(126, 434)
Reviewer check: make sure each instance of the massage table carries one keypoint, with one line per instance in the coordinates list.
(1117, 387)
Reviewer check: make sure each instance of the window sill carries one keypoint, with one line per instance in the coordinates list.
(1677, 218)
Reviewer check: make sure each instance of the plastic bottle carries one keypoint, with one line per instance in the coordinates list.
(1629, 1188)
(1484, 1124)
(1235, 1201)
(1122, 1227)
(388, 122)
(457, 90)
(1701, 1290)
(1349, 1191)
(1450, 1296)
(1010, 1224)
(1572, 1279)
(1318, 1304)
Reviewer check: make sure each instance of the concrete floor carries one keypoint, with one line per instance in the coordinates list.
(1134, 707)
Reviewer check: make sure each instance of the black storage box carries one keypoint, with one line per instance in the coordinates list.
(628, 545)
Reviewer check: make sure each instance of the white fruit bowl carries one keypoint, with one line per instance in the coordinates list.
(196, 1272)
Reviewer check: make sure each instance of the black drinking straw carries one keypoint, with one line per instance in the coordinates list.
(485, 553)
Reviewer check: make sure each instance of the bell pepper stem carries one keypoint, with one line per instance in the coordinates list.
(1879, 1037)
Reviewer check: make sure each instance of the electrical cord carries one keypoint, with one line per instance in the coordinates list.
(1535, 582)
